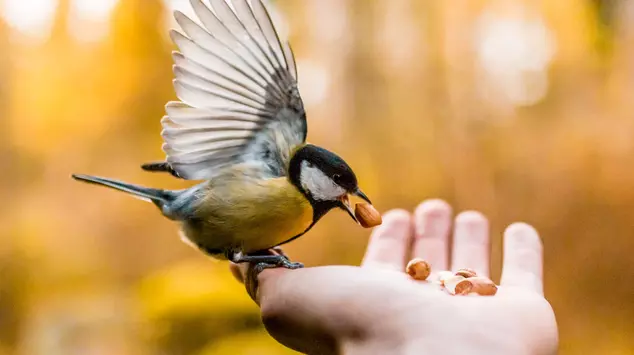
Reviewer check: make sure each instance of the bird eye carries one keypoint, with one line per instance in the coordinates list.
(336, 177)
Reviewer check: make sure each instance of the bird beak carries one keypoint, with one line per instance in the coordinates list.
(360, 193)
(344, 202)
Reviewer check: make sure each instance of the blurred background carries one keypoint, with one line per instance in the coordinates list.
(520, 109)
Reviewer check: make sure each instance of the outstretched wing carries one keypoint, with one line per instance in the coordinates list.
(236, 80)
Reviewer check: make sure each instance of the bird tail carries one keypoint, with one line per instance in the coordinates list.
(157, 196)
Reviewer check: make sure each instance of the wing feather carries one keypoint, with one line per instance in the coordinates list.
(233, 36)
(218, 79)
(236, 81)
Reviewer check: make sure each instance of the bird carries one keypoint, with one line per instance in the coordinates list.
(239, 128)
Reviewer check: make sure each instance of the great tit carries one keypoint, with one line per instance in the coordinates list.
(240, 125)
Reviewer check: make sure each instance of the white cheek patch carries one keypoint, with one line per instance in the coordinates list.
(320, 186)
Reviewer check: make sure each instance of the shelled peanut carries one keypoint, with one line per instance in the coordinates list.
(418, 269)
(367, 215)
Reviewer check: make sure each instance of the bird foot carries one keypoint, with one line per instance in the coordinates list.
(267, 261)
(281, 262)
(275, 259)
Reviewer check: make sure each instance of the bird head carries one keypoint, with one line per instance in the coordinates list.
(325, 179)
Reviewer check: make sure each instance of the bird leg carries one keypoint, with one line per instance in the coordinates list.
(273, 258)
(279, 251)
(260, 261)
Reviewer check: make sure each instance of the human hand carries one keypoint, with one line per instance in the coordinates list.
(378, 309)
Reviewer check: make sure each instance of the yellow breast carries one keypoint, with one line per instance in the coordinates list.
(279, 217)
(251, 215)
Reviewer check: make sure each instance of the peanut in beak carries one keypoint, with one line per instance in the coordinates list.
(367, 215)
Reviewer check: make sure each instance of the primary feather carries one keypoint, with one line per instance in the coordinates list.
(236, 80)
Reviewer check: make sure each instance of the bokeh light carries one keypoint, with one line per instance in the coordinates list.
(89, 20)
(515, 48)
(33, 18)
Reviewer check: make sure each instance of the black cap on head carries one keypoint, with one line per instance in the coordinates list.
(326, 161)
(325, 179)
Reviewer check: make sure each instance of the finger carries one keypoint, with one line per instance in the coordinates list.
(471, 243)
(523, 258)
(432, 221)
(245, 274)
(389, 242)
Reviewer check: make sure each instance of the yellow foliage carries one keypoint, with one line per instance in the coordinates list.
(199, 286)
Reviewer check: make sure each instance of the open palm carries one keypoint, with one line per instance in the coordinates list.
(378, 309)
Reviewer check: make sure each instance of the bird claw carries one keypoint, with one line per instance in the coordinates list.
(281, 261)
(263, 262)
